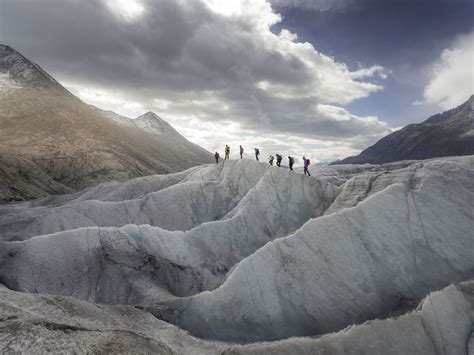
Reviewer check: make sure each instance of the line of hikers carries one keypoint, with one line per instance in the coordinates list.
(271, 158)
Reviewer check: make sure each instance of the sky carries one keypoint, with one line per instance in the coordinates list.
(321, 78)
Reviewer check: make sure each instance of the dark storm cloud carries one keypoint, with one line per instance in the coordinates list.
(195, 59)
(318, 5)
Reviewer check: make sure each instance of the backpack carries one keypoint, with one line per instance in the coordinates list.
(308, 162)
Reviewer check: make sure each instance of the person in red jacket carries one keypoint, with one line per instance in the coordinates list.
(306, 163)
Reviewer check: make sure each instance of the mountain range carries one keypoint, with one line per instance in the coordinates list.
(51, 142)
(450, 133)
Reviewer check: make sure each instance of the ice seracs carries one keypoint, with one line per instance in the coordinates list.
(244, 252)
(441, 324)
(406, 240)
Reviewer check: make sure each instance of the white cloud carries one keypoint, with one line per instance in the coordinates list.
(453, 75)
(203, 133)
(127, 10)
(212, 135)
(106, 99)
(376, 70)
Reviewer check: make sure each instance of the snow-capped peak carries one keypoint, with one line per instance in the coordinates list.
(19, 71)
(151, 122)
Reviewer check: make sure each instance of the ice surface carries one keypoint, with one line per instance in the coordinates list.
(410, 238)
(243, 252)
(34, 323)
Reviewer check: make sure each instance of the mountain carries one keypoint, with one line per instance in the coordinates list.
(54, 136)
(160, 130)
(16, 71)
(450, 133)
(242, 252)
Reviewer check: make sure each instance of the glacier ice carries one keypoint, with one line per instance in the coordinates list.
(244, 252)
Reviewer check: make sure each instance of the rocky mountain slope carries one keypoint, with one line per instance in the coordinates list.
(244, 252)
(157, 128)
(54, 136)
(450, 133)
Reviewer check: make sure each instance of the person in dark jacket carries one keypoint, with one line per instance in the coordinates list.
(291, 161)
(278, 158)
(241, 151)
(257, 153)
(217, 157)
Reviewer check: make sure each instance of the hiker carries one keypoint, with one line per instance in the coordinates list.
(217, 157)
(291, 161)
(227, 152)
(270, 159)
(306, 163)
(257, 153)
(279, 158)
(241, 151)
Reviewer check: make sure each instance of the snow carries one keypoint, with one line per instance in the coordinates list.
(22, 71)
(148, 122)
(7, 85)
(114, 117)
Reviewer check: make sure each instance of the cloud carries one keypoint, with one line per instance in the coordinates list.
(318, 5)
(453, 75)
(208, 61)
(128, 10)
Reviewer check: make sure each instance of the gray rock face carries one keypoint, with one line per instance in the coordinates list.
(244, 252)
(22, 179)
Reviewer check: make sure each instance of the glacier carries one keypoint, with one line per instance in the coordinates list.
(241, 252)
